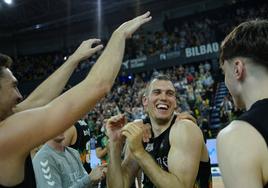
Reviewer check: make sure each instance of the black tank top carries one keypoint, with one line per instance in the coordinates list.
(257, 117)
(159, 148)
(29, 178)
(82, 144)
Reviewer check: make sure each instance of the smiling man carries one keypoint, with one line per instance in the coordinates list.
(175, 156)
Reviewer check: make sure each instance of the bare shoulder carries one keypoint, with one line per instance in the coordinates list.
(241, 137)
(186, 130)
(239, 132)
(186, 126)
(242, 150)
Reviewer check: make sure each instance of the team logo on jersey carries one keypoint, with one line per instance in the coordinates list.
(149, 147)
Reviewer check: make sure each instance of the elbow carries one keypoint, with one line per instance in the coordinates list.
(107, 88)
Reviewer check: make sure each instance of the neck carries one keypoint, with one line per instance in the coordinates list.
(55, 145)
(4, 115)
(252, 94)
(159, 129)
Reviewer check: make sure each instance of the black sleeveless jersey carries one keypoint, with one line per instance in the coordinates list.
(29, 178)
(82, 144)
(257, 117)
(159, 148)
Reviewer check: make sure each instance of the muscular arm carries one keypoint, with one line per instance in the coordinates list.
(25, 130)
(54, 83)
(41, 124)
(239, 157)
(70, 136)
(183, 159)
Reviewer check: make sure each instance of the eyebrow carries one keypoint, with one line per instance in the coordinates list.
(167, 90)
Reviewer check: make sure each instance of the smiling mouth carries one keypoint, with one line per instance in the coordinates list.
(162, 107)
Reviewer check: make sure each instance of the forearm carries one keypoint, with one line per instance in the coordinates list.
(108, 65)
(159, 177)
(101, 152)
(70, 106)
(54, 84)
(114, 174)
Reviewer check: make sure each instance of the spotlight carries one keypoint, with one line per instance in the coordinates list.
(8, 2)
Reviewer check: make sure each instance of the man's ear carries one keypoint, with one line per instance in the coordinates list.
(145, 102)
(239, 69)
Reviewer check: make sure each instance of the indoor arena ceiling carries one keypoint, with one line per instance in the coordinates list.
(26, 15)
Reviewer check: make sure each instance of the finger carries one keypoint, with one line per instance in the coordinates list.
(138, 121)
(145, 20)
(126, 133)
(185, 115)
(115, 119)
(147, 134)
(145, 15)
(93, 41)
(133, 128)
(145, 128)
(97, 48)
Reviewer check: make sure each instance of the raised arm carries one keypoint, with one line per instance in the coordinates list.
(56, 82)
(27, 129)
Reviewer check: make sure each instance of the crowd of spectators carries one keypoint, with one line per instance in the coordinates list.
(228, 111)
(194, 30)
(194, 85)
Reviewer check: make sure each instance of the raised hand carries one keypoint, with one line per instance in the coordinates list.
(129, 27)
(134, 134)
(146, 130)
(114, 126)
(85, 49)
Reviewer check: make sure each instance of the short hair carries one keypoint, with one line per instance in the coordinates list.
(156, 77)
(5, 62)
(250, 40)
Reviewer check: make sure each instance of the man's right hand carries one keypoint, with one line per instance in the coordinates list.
(129, 27)
(113, 127)
(98, 173)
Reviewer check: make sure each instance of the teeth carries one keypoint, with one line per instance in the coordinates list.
(162, 106)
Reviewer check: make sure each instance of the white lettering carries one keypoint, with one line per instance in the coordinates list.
(209, 49)
(215, 46)
(202, 49)
(188, 52)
